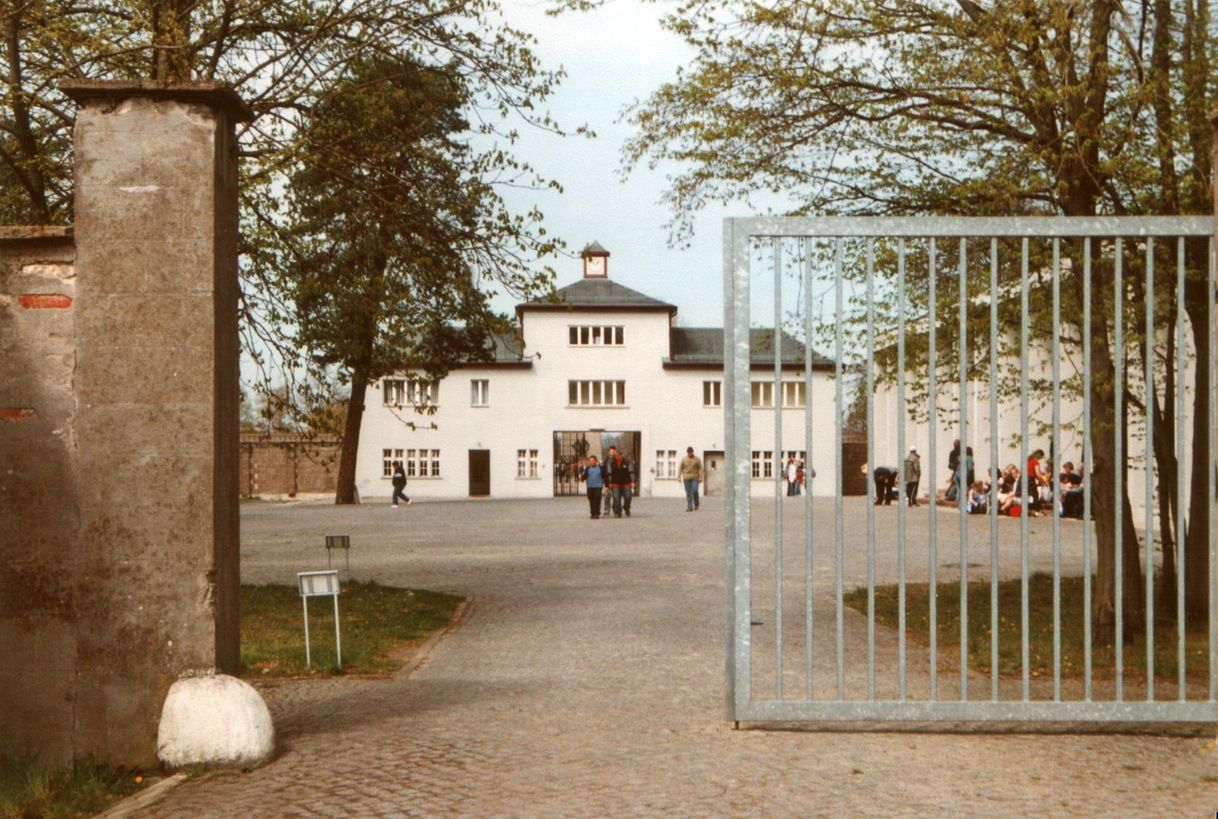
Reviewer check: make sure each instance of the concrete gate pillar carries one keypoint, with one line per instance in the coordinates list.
(156, 385)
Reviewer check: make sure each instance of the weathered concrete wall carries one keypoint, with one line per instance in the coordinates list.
(39, 517)
(118, 435)
(282, 464)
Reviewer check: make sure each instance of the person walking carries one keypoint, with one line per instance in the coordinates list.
(691, 474)
(399, 483)
(913, 476)
(608, 494)
(621, 483)
(593, 476)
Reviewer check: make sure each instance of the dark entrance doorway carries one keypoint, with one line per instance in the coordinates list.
(572, 447)
(479, 472)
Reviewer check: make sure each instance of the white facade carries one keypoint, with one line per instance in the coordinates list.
(514, 410)
(1009, 421)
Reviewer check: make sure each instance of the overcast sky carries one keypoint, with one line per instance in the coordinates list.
(613, 56)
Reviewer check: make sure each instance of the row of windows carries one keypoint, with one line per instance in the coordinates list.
(408, 391)
(400, 392)
(596, 393)
(763, 461)
(596, 336)
(418, 463)
(425, 463)
(794, 394)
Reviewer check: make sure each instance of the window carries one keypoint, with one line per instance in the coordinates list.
(763, 394)
(666, 463)
(712, 393)
(794, 394)
(596, 393)
(422, 463)
(414, 391)
(595, 336)
(526, 463)
(800, 456)
(763, 464)
(479, 392)
(388, 457)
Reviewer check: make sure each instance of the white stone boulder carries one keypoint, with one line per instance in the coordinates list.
(214, 720)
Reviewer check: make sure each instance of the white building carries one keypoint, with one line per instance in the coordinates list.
(599, 365)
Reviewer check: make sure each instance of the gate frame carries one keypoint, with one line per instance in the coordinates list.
(738, 703)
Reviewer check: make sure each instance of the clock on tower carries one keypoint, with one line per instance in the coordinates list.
(596, 261)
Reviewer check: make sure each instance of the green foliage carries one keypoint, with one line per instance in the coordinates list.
(394, 225)
(285, 58)
(377, 623)
(29, 788)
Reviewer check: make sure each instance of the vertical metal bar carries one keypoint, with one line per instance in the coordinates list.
(780, 471)
(963, 490)
(737, 420)
(932, 367)
(338, 640)
(993, 476)
(1025, 633)
(871, 460)
(1118, 477)
(1085, 469)
(1057, 459)
(730, 453)
(1212, 463)
(308, 656)
(837, 494)
(808, 461)
(904, 477)
(1181, 651)
(1149, 377)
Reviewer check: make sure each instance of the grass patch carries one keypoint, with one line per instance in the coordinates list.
(29, 788)
(1040, 628)
(377, 624)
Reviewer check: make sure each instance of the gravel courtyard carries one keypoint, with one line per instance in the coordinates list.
(585, 679)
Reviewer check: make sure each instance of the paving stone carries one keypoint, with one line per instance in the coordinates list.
(587, 681)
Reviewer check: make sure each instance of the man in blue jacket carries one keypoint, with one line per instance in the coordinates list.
(594, 476)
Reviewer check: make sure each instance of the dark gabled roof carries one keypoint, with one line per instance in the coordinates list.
(703, 346)
(594, 249)
(505, 348)
(597, 294)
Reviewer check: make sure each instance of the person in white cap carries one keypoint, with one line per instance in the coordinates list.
(913, 476)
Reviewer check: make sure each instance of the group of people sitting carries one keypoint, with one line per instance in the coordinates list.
(1007, 490)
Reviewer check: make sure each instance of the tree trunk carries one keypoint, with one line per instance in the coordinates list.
(1197, 588)
(25, 165)
(171, 57)
(1100, 479)
(345, 493)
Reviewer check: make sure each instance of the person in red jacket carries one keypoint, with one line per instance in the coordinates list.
(621, 483)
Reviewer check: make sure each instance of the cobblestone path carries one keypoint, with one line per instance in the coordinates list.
(586, 680)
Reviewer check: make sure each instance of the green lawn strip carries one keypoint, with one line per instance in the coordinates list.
(1040, 627)
(29, 788)
(377, 623)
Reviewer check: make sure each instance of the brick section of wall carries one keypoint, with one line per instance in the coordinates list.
(287, 465)
(45, 301)
(39, 515)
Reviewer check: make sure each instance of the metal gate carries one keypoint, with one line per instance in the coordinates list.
(1073, 337)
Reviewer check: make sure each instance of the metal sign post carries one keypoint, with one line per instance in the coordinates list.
(320, 584)
(338, 542)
